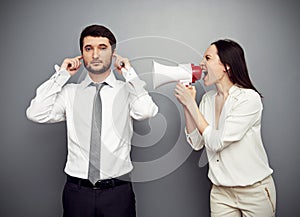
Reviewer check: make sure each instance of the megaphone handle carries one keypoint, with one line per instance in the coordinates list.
(185, 82)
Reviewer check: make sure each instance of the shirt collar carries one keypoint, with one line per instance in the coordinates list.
(233, 89)
(110, 80)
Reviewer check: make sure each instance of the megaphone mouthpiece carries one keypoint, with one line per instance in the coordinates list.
(197, 73)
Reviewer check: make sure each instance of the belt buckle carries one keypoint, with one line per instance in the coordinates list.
(95, 187)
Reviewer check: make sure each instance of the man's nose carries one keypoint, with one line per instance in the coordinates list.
(96, 54)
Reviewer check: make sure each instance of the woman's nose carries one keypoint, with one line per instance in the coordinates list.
(202, 64)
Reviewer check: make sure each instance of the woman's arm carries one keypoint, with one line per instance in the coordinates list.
(186, 96)
(194, 118)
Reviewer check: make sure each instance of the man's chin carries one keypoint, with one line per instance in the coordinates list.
(97, 71)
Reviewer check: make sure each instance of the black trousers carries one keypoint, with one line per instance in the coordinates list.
(81, 201)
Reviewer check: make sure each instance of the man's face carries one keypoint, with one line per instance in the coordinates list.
(97, 54)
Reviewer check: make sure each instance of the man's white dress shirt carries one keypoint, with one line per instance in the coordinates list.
(235, 150)
(57, 101)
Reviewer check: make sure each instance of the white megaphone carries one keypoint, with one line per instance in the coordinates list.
(185, 73)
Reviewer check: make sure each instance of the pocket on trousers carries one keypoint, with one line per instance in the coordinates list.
(70, 192)
(71, 187)
(269, 198)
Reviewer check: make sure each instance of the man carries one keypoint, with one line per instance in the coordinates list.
(98, 113)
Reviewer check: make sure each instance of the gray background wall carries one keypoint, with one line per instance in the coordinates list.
(37, 34)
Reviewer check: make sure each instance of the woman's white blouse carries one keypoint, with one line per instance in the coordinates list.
(235, 150)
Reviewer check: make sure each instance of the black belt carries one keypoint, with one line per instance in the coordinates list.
(101, 184)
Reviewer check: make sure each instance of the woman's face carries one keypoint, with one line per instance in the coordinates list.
(212, 66)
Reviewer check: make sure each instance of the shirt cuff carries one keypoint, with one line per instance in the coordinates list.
(135, 84)
(129, 74)
(194, 139)
(61, 75)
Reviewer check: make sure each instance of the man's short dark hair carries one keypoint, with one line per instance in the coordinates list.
(97, 31)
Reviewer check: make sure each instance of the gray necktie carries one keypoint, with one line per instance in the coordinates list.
(95, 146)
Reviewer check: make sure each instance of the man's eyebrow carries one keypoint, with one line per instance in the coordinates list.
(89, 45)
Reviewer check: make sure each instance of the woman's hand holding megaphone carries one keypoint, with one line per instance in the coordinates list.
(185, 94)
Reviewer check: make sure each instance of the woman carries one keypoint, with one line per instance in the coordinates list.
(228, 124)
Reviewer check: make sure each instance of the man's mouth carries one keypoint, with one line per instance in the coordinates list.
(96, 62)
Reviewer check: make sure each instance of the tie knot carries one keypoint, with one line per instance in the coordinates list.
(98, 86)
